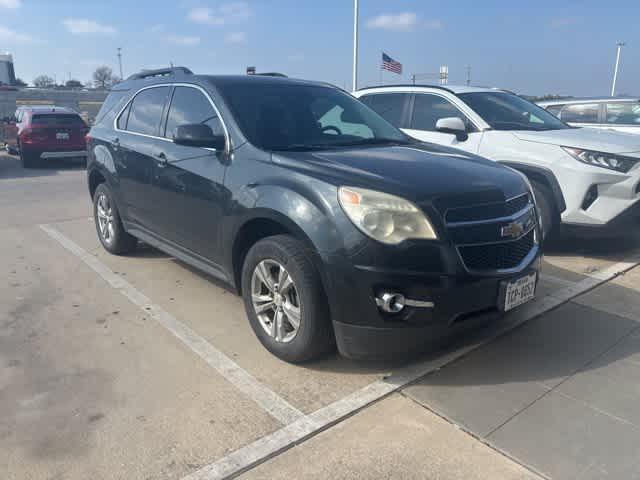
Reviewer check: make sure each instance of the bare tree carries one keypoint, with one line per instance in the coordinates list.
(43, 81)
(20, 83)
(103, 77)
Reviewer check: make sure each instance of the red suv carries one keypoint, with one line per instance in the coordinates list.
(49, 133)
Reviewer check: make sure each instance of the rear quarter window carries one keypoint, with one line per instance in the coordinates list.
(111, 107)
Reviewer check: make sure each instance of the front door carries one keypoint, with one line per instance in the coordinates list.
(188, 181)
(427, 110)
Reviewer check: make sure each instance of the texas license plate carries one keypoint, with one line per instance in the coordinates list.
(518, 291)
(62, 136)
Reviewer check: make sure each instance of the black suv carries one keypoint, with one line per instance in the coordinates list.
(333, 225)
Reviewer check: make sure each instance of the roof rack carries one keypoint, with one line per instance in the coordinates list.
(161, 72)
(439, 87)
(271, 74)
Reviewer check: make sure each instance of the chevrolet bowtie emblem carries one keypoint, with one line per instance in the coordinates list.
(513, 230)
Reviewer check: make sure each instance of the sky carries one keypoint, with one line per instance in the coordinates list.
(535, 48)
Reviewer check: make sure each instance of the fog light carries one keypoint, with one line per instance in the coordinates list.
(590, 197)
(390, 302)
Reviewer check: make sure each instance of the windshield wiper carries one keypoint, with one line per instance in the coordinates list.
(374, 141)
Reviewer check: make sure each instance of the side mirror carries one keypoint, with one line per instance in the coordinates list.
(454, 126)
(198, 135)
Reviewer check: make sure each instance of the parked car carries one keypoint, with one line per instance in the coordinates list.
(333, 225)
(586, 180)
(611, 113)
(45, 133)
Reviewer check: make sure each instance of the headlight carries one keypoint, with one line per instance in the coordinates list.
(604, 160)
(383, 217)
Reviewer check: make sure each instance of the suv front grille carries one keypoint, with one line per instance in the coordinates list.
(488, 211)
(497, 256)
(494, 236)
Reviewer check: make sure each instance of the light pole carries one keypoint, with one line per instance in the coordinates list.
(355, 45)
(615, 72)
(120, 62)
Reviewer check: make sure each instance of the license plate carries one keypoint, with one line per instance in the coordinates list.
(62, 136)
(518, 291)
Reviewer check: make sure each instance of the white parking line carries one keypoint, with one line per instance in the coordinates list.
(268, 400)
(281, 440)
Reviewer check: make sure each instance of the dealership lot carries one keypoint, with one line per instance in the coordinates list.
(140, 367)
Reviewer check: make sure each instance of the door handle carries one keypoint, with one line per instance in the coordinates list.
(162, 159)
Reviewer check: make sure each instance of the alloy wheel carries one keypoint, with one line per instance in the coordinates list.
(275, 301)
(105, 219)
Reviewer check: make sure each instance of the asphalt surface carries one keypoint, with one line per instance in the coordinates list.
(141, 367)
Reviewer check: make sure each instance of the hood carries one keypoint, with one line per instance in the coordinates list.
(607, 141)
(417, 172)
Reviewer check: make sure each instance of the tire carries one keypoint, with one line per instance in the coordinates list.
(29, 160)
(313, 336)
(547, 212)
(109, 226)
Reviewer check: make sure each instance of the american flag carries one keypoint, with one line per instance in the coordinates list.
(390, 64)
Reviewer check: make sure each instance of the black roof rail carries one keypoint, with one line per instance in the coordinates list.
(271, 74)
(160, 72)
(439, 87)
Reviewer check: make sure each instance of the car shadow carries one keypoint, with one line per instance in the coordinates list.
(615, 249)
(10, 168)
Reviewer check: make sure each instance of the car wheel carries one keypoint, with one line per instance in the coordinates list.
(284, 299)
(547, 213)
(29, 160)
(111, 233)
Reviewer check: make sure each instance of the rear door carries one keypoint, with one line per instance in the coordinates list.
(188, 181)
(427, 109)
(137, 142)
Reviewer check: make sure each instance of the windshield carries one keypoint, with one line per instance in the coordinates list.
(506, 111)
(305, 117)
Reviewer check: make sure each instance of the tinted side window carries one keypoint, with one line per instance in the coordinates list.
(428, 109)
(555, 110)
(146, 111)
(110, 108)
(581, 113)
(389, 106)
(190, 105)
(627, 113)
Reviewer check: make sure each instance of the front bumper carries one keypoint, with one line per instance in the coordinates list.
(461, 301)
(621, 225)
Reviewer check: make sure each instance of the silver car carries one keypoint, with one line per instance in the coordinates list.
(611, 113)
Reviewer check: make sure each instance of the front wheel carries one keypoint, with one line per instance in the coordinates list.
(284, 299)
(547, 214)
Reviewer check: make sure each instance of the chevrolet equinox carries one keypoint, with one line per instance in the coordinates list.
(333, 225)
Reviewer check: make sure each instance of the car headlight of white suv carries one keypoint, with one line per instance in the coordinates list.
(610, 161)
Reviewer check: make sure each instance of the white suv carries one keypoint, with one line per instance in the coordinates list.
(581, 177)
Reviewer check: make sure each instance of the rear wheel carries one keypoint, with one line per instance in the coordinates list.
(547, 212)
(111, 233)
(28, 159)
(284, 299)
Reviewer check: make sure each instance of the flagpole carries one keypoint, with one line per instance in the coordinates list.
(355, 45)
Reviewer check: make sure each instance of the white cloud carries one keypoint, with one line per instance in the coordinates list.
(400, 22)
(10, 4)
(236, 37)
(81, 26)
(7, 35)
(227, 13)
(183, 41)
